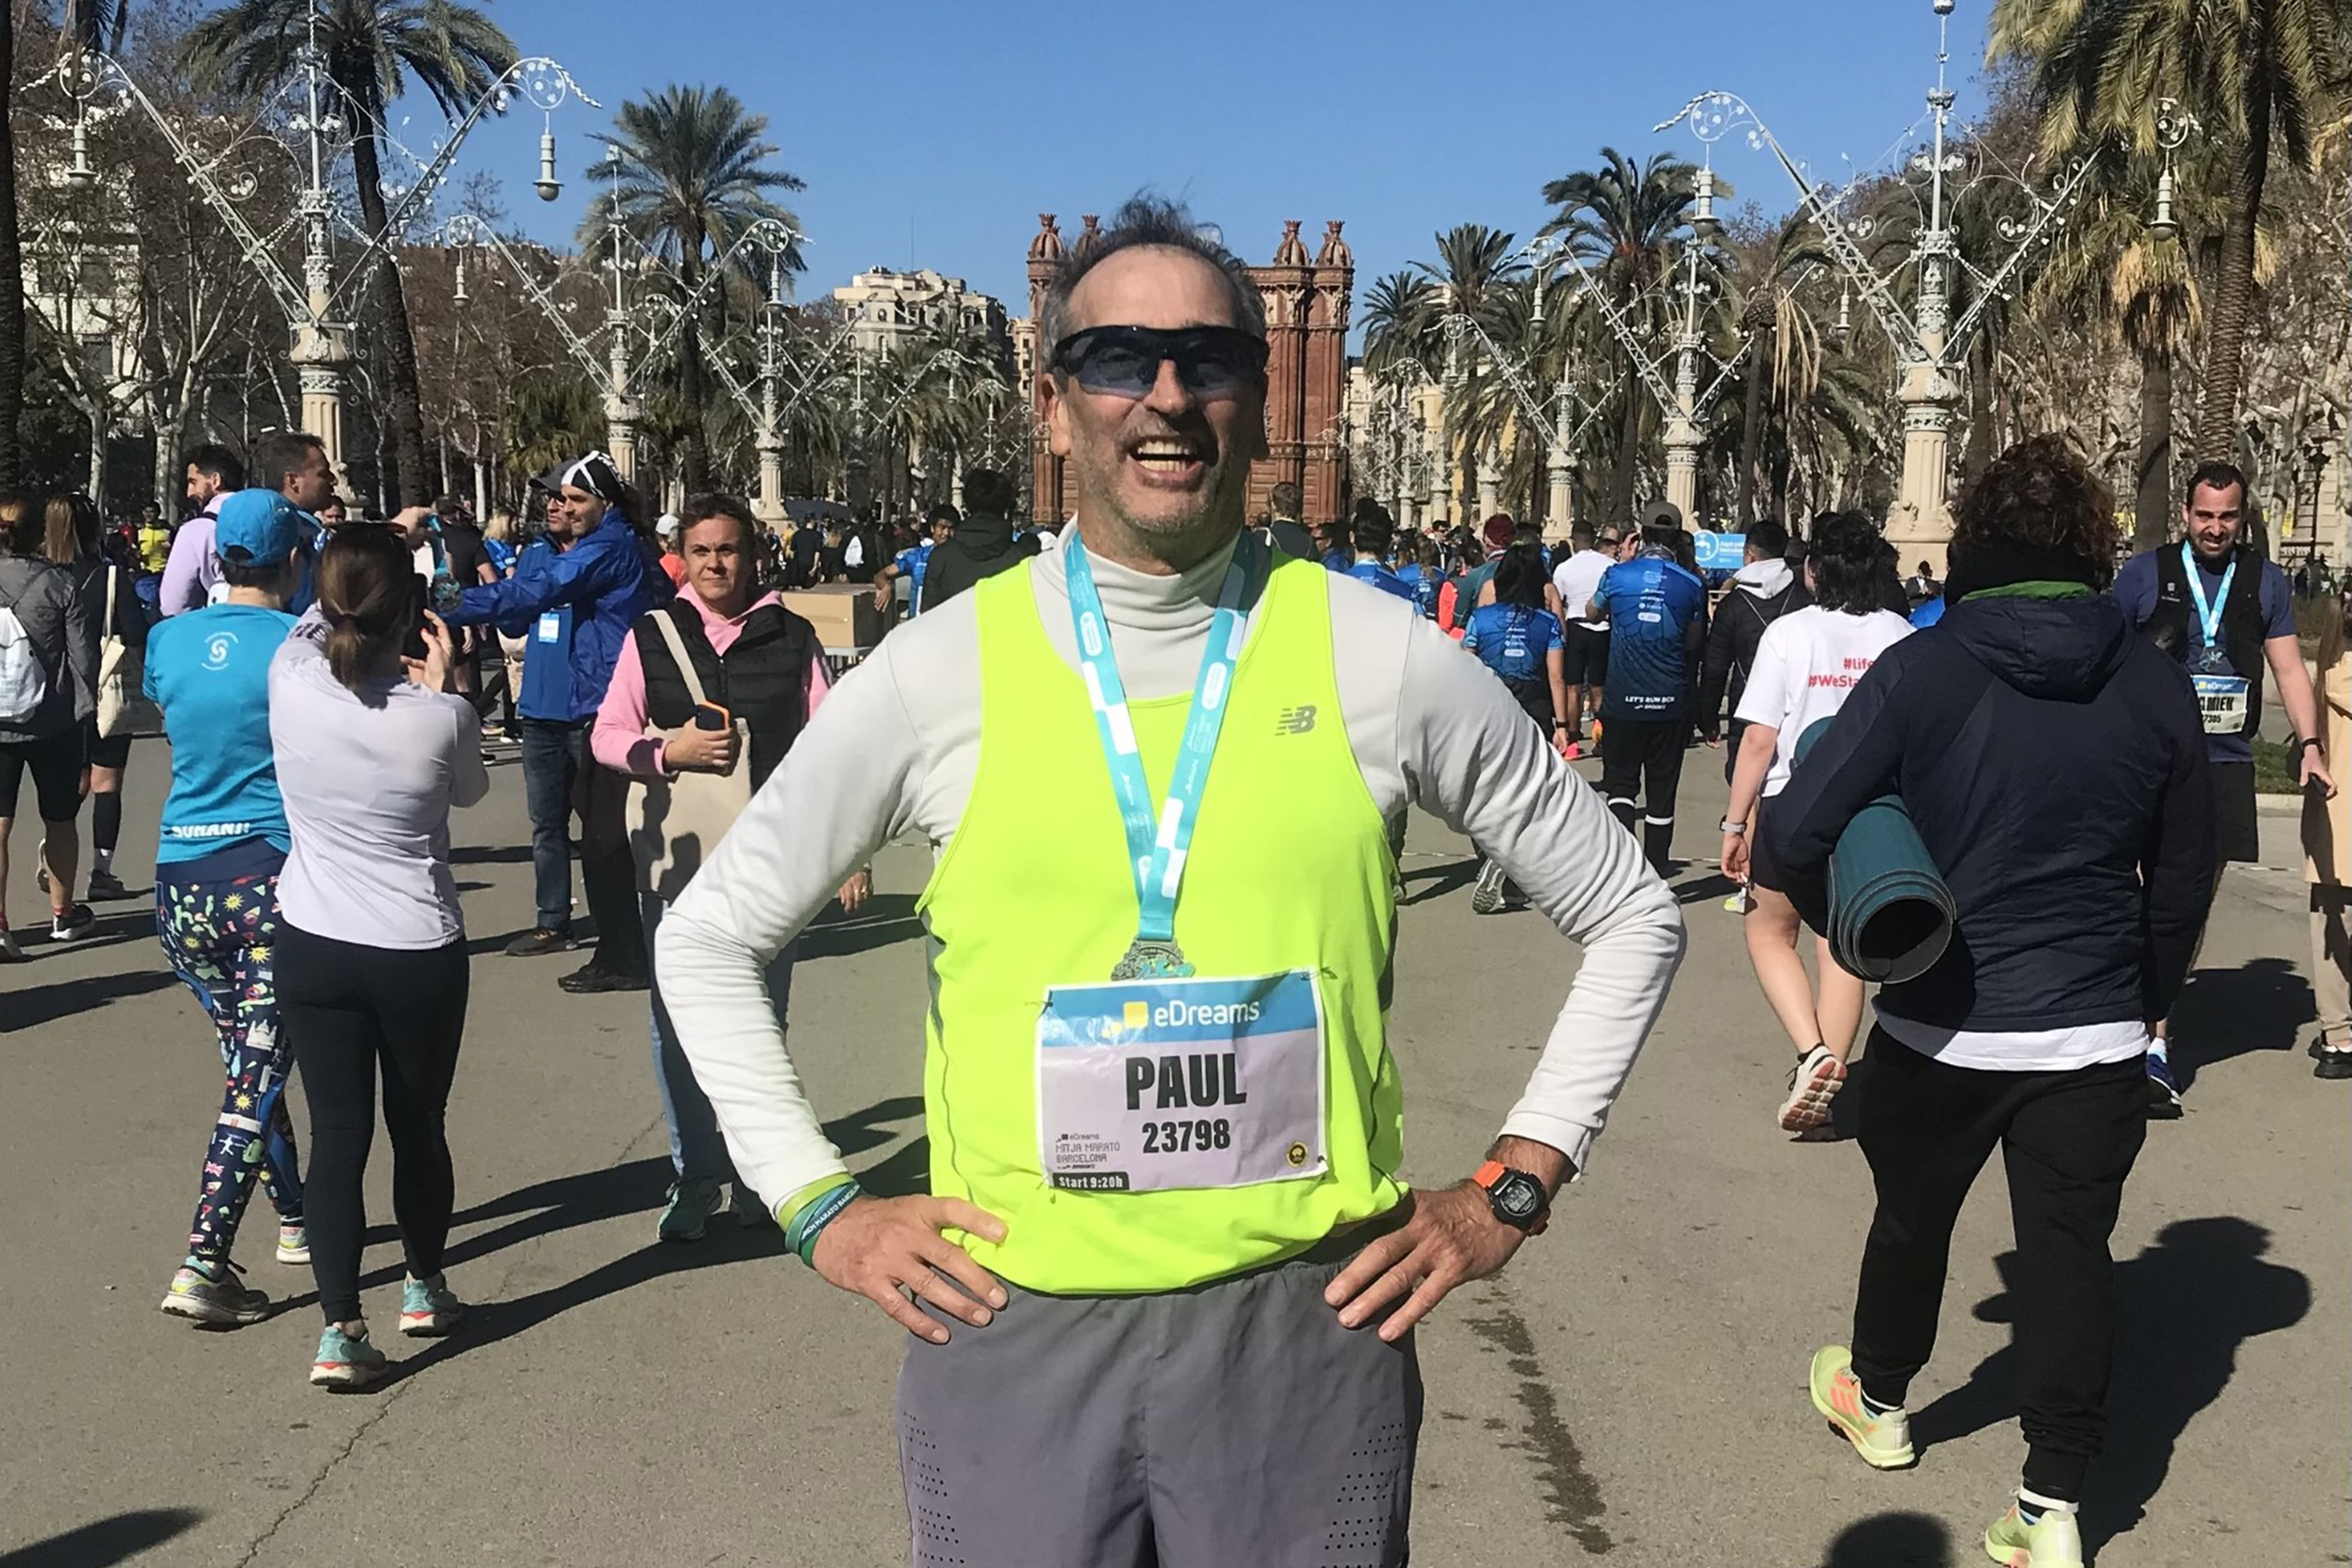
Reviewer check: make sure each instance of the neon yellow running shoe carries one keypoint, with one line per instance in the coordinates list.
(1883, 1441)
(2054, 1540)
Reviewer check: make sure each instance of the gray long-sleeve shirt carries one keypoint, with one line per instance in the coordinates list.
(57, 619)
(896, 749)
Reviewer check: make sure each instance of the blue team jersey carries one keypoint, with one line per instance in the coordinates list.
(1380, 577)
(1650, 603)
(1425, 586)
(1512, 640)
(208, 670)
(912, 562)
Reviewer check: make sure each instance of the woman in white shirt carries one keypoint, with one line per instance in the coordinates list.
(1808, 661)
(373, 749)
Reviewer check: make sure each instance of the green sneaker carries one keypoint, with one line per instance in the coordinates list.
(2054, 1540)
(293, 1242)
(429, 1309)
(1883, 1441)
(692, 1201)
(214, 1299)
(347, 1361)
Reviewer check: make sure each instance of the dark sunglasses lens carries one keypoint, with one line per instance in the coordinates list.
(1114, 366)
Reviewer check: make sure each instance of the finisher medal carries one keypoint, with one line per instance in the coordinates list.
(1153, 961)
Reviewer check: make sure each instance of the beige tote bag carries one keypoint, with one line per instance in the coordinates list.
(675, 823)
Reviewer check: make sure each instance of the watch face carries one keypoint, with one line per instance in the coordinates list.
(1519, 1197)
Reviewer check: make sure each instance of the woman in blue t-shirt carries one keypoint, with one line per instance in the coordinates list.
(220, 847)
(1520, 640)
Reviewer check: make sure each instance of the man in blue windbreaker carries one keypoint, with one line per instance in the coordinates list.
(573, 596)
(1657, 623)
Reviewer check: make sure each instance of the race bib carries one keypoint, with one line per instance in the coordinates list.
(2223, 702)
(550, 626)
(1150, 1085)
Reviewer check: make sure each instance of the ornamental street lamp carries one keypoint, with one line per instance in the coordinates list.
(321, 350)
(1931, 347)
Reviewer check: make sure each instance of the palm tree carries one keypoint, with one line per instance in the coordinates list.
(1625, 222)
(1475, 276)
(1783, 345)
(2263, 75)
(12, 277)
(373, 49)
(1400, 322)
(2142, 294)
(692, 169)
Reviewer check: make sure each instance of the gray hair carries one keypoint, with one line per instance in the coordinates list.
(1146, 221)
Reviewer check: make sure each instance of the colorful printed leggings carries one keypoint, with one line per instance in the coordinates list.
(219, 937)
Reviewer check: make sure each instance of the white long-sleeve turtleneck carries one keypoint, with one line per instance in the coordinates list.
(897, 745)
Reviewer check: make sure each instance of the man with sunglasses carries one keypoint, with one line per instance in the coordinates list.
(1162, 1289)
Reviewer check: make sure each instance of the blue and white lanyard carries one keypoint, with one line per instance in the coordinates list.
(2209, 614)
(1158, 842)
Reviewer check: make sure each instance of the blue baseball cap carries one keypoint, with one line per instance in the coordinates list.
(262, 527)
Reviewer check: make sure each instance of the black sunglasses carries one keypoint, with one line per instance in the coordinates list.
(1124, 362)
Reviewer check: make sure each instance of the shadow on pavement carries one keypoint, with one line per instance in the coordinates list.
(2183, 1308)
(1892, 1541)
(491, 855)
(887, 918)
(1439, 880)
(107, 1541)
(2226, 1013)
(1712, 888)
(44, 1003)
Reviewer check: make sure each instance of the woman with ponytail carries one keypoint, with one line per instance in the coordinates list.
(373, 749)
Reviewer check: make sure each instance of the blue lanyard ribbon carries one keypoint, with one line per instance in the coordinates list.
(2209, 613)
(1158, 841)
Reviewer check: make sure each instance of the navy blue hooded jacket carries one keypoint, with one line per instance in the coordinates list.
(2055, 764)
(575, 608)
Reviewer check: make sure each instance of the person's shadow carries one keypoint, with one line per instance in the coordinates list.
(1892, 1541)
(2226, 1013)
(2182, 1309)
(104, 1542)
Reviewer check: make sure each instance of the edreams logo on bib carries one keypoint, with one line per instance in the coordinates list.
(1178, 1014)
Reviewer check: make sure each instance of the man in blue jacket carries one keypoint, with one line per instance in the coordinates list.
(574, 595)
(1656, 613)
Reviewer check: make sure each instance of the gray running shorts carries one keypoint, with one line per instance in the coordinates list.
(1233, 1424)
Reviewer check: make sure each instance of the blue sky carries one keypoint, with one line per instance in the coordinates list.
(933, 135)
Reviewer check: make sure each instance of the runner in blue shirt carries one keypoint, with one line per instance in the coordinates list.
(1657, 622)
(1520, 640)
(915, 560)
(1373, 533)
(222, 843)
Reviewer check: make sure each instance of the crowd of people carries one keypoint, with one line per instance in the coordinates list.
(1159, 1010)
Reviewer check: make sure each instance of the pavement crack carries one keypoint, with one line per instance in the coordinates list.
(1572, 1497)
(383, 1409)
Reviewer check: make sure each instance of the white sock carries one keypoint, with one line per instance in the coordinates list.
(2031, 1506)
(2155, 1047)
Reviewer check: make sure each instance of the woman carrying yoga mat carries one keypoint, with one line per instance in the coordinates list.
(2053, 763)
(1806, 663)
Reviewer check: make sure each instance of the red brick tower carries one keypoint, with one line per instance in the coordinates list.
(1044, 469)
(1324, 393)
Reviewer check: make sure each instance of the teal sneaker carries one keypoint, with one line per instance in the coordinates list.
(429, 1309)
(692, 1201)
(347, 1361)
(747, 1207)
(2054, 1540)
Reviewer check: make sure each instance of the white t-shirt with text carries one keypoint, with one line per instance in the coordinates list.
(1808, 661)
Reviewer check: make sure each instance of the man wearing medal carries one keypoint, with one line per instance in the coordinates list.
(1163, 1286)
(2213, 603)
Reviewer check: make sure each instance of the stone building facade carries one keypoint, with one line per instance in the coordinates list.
(1307, 302)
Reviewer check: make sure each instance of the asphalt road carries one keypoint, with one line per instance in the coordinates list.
(1630, 1389)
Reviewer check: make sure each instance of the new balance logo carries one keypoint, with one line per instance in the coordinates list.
(1295, 720)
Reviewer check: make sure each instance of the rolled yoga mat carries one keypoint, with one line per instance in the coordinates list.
(1891, 916)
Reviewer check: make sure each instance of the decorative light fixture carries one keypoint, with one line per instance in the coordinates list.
(548, 186)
